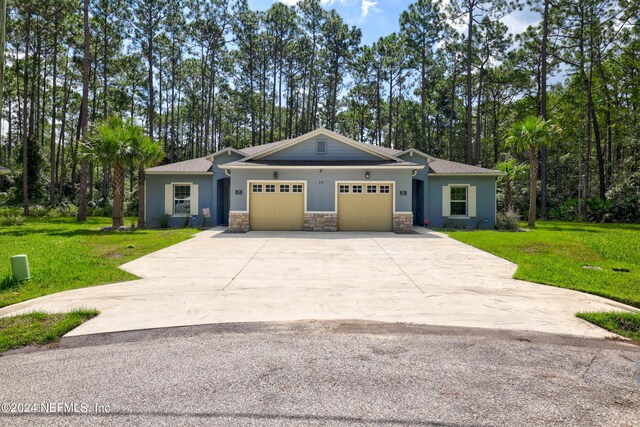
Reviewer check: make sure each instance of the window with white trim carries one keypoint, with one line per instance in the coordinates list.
(321, 146)
(344, 188)
(270, 188)
(181, 199)
(284, 188)
(385, 189)
(256, 188)
(372, 189)
(458, 201)
(297, 188)
(357, 189)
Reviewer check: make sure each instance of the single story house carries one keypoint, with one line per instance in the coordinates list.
(321, 181)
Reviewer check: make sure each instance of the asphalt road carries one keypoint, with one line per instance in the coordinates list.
(323, 373)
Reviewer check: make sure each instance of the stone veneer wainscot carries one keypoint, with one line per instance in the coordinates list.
(403, 222)
(320, 222)
(238, 222)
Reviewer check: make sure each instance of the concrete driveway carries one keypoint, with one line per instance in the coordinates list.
(426, 278)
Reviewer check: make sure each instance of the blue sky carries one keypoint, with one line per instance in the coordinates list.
(378, 18)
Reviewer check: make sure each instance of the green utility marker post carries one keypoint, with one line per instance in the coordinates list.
(20, 267)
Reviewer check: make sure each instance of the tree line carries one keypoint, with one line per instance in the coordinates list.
(203, 75)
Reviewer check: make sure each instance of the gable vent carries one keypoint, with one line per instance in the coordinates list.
(321, 146)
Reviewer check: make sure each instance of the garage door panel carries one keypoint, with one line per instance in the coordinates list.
(281, 209)
(365, 211)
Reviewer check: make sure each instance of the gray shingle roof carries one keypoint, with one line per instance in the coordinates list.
(446, 167)
(319, 163)
(250, 151)
(193, 166)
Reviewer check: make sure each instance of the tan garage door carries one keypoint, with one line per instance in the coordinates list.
(365, 207)
(276, 206)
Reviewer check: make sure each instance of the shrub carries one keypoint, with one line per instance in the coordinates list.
(163, 221)
(508, 220)
(11, 219)
(38, 211)
(455, 224)
(64, 209)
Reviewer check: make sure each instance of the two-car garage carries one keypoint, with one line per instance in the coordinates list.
(361, 206)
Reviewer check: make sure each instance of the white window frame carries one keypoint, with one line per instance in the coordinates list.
(285, 188)
(344, 188)
(372, 189)
(175, 186)
(385, 189)
(353, 188)
(269, 188)
(324, 143)
(466, 201)
(297, 188)
(256, 188)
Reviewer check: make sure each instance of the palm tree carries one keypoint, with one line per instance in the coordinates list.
(512, 171)
(110, 144)
(145, 153)
(531, 134)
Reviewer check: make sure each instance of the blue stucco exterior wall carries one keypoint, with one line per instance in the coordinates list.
(336, 150)
(321, 186)
(155, 198)
(223, 157)
(485, 201)
(421, 175)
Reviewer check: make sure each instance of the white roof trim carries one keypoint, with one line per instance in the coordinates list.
(272, 167)
(176, 173)
(497, 173)
(418, 152)
(326, 132)
(227, 150)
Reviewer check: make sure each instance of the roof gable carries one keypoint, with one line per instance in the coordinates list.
(375, 151)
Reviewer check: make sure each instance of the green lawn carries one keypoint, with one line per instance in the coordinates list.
(625, 324)
(64, 254)
(39, 328)
(555, 253)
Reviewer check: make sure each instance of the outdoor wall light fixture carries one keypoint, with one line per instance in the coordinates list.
(275, 175)
(367, 175)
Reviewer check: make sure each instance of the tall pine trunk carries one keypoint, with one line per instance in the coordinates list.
(84, 112)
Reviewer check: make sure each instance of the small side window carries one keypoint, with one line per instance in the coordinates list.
(384, 189)
(256, 188)
(357, 189)
(321, 146)
(270, 188)
(297, 188)
(371, 189)
(344, 188)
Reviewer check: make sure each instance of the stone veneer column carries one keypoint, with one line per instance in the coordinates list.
(238, 222)
(320, 222)
(403, 222)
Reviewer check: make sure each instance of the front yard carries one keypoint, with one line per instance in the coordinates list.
(64, 254)
(600, 259)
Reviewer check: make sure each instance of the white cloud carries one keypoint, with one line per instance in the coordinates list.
(366, 5)
(289, 2)
(326, 2)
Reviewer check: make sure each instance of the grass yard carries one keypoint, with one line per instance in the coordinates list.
(39, 328)
(64, 254)
(625, 324)
(555, 253)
